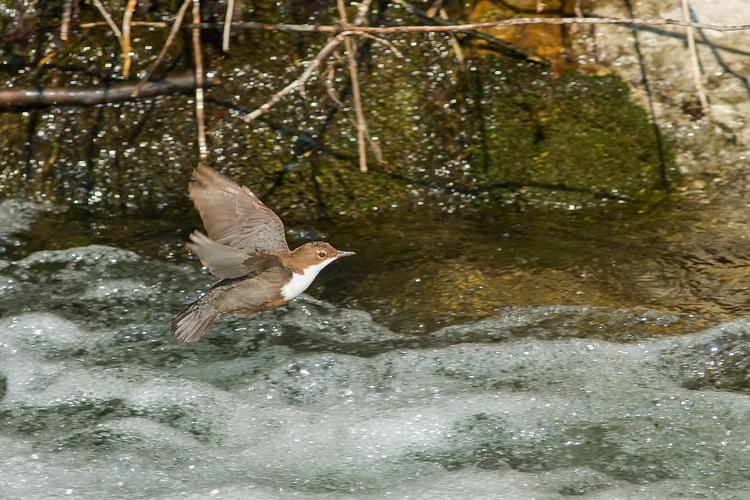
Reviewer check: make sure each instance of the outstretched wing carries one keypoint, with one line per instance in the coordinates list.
(225, 262)
(233, 215)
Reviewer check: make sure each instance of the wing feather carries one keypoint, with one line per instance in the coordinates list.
(225, 262)
(234, 216)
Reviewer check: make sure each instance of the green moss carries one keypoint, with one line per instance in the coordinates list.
(577, 134)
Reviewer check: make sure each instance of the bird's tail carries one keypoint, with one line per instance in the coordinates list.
(193, 322)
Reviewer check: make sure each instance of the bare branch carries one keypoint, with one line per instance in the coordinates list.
(67, 10)
(109, 20)
(342, 12)
(170, 38)
(476, 26)
(227, 26)
(577, 9)
(436, 6)
(300, 81)
(127, 17)
(354, 78)
(384, 41)
(150, 24)
(199, 118)
(539, 20)
(329, 85)
(694, 59)
(362, 9)
(579, 13)
(23, 98)
(454, 43)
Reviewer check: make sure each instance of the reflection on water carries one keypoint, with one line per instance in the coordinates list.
(508, 356)
(451, 269)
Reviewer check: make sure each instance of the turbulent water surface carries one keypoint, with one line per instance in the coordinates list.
(603, 395)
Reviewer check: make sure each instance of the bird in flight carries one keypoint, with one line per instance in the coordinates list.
(246, 250)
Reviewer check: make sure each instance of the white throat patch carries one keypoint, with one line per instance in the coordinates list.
(300, 282)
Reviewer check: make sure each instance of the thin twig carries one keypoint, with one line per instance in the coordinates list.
(354, 77)
(150, 24)
(332, 93)
(342, 12)
(109, 20)
(329, 85)
(227, 25)
(475, 26)
(430, 29)
(67, 10)
(538, 20)
(362, 10)
(300, 81)
(436, 7)
(577, 9)
(694, 58)
(454, 43)
(127, 17)
(384, 41)
(32, 97)
(199, 118)
(170, 38)
(579, 13)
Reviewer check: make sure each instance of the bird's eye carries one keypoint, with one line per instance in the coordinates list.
(322, 255)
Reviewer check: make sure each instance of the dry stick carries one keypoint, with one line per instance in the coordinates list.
(694, 58)
(436, 6)
(475, 26)
(528, 20)
(19, 97)
(454, 43)
(127, 17)
(329, 85)
(157, 24)
(579, 13)
(354, 77)
(67, 9)
(109, 20)
(227, 26)
(577, 9)
(202, 148)
(361, 123)
(468, 27)
(331, 92)
(300, 81)
(362, 10)
(167, 44)
(385, 42)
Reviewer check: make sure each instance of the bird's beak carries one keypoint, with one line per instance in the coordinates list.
(343, 254)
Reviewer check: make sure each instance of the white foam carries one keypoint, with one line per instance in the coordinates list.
(105, 411)
(16, 215)
(88, 255)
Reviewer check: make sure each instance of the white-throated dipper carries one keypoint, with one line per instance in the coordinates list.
(247, 251)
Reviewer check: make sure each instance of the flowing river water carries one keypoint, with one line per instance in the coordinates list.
(600, 353)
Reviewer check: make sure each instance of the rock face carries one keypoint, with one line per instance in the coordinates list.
(456, 126)
(455, 130)
(655, 61)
